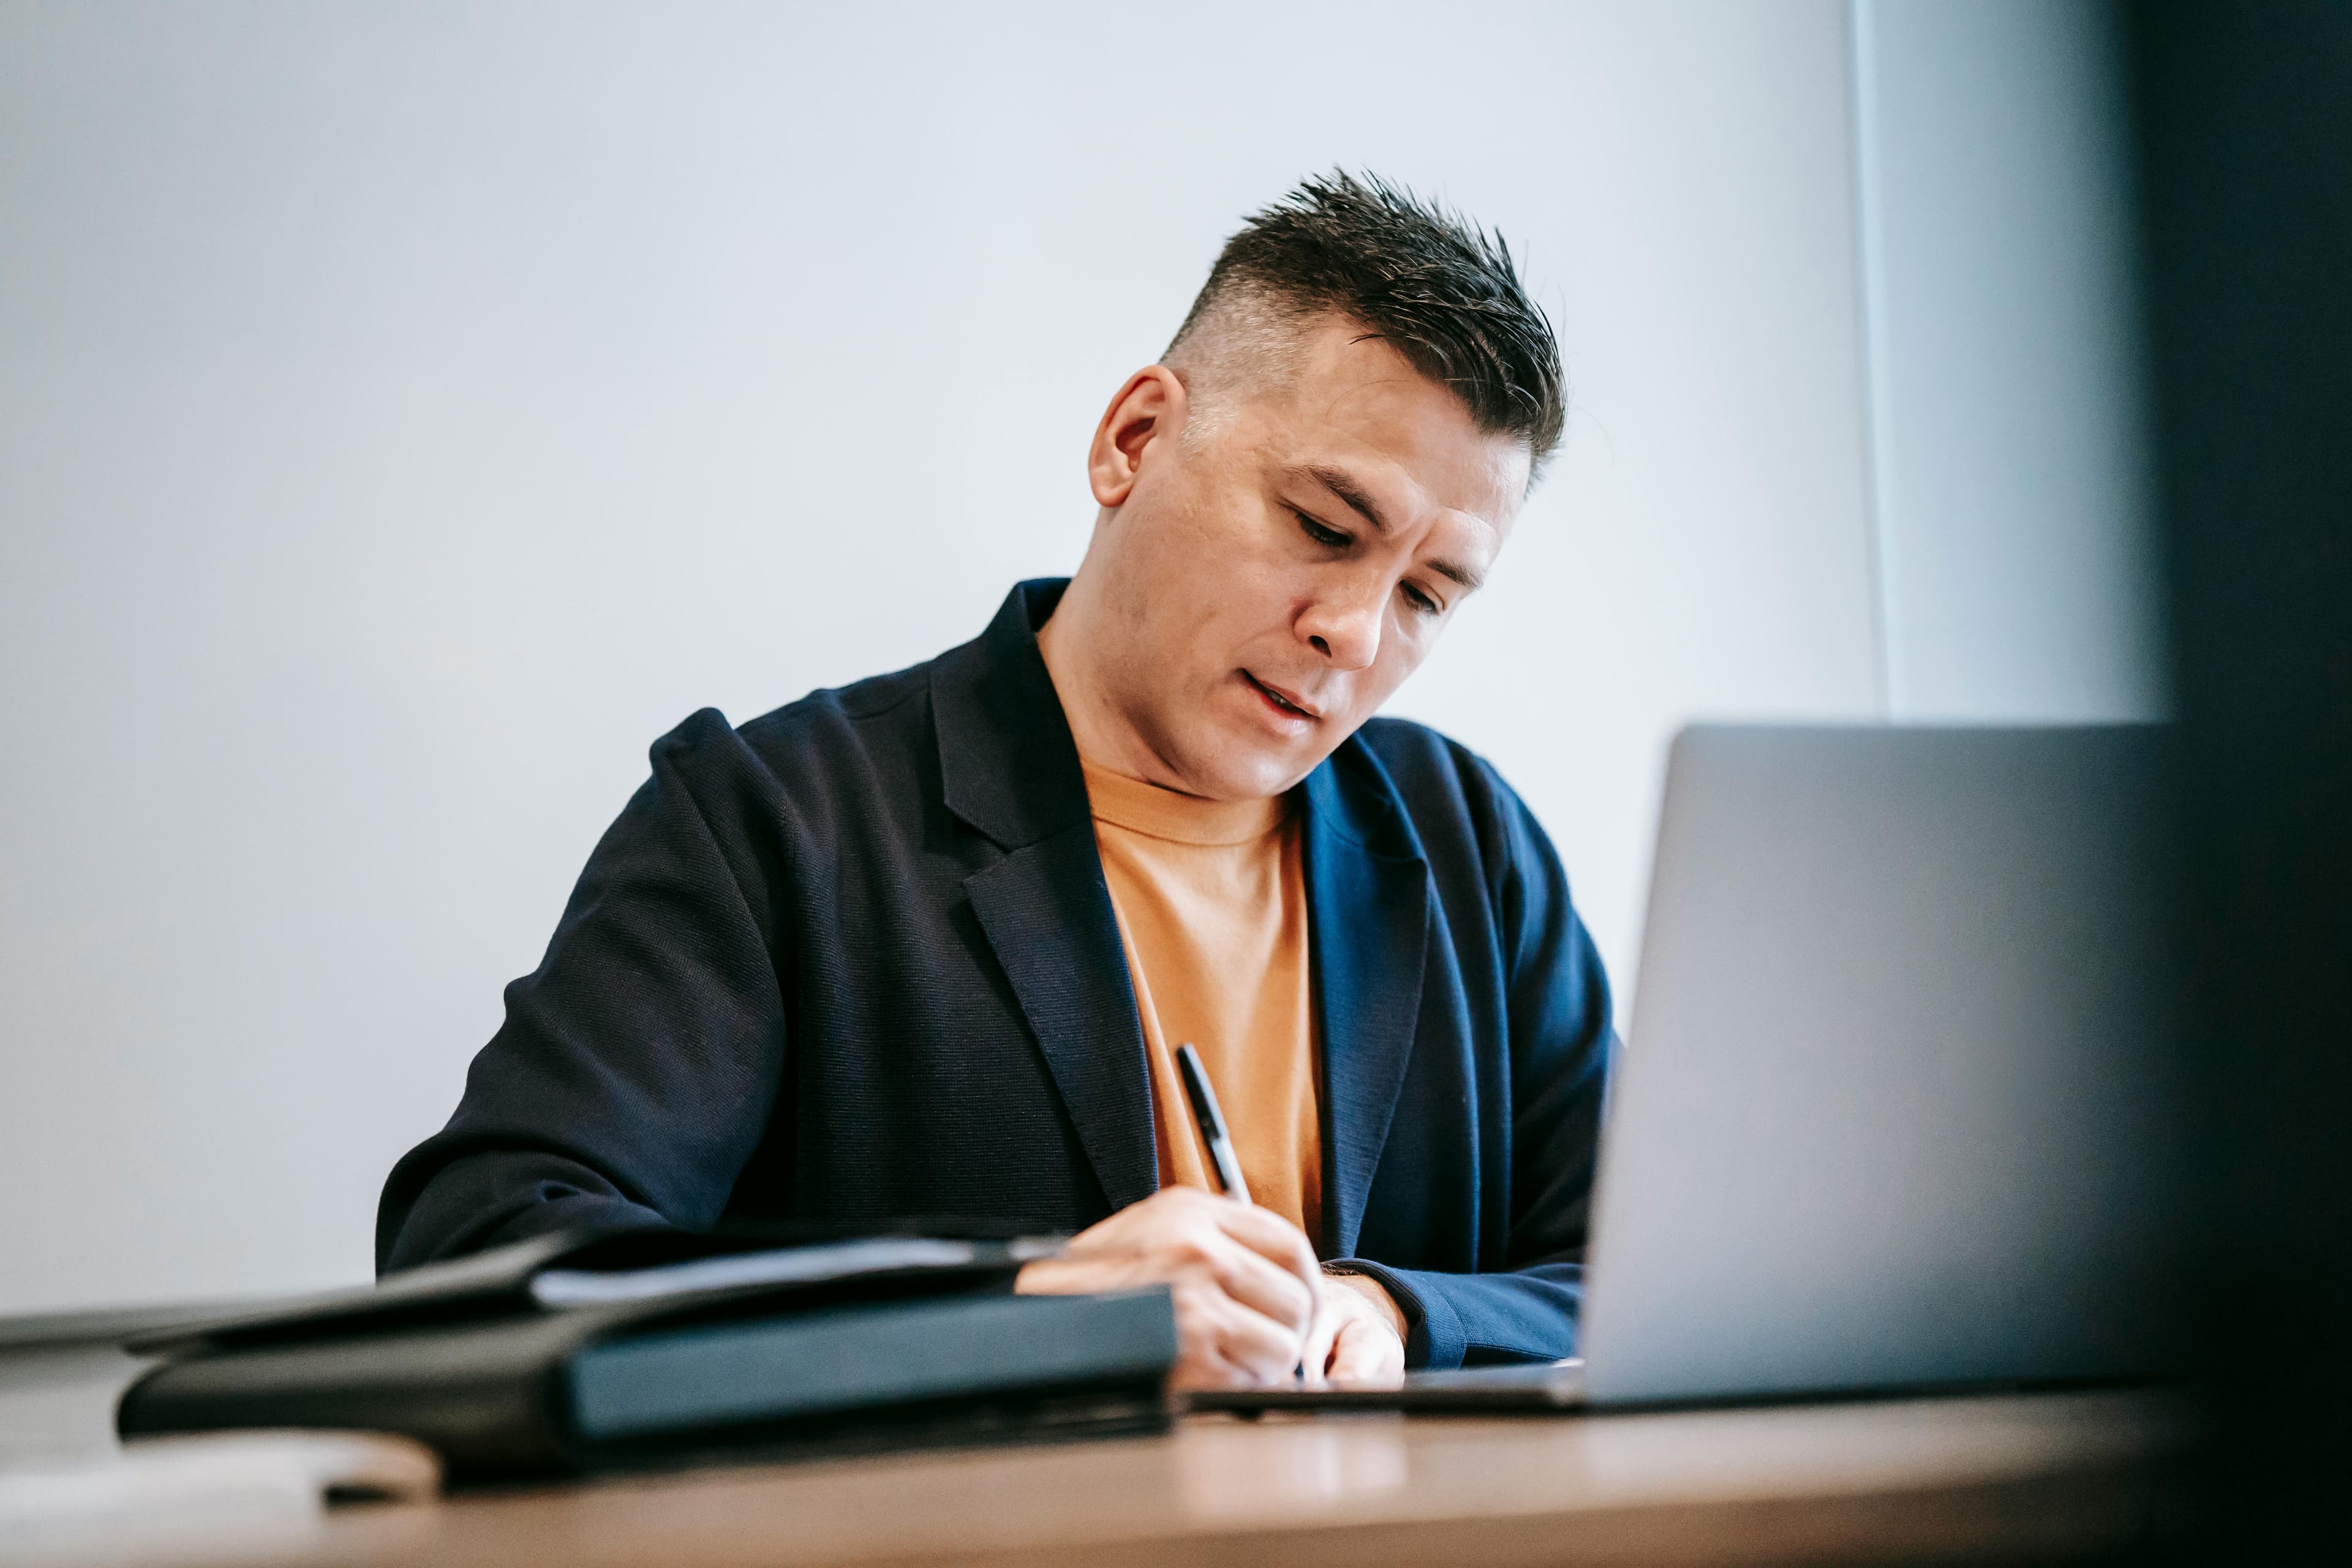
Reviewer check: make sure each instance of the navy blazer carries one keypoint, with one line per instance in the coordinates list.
(856, 960)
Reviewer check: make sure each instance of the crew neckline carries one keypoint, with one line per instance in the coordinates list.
(1158, 813)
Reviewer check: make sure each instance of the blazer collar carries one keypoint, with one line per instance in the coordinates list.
(1010, 771)
(1006, 759)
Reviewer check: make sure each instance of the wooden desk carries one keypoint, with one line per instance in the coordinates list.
(1977, 1477)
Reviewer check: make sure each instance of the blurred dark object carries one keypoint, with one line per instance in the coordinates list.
(2244, 116)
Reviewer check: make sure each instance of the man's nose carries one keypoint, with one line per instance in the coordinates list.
(1345, 627)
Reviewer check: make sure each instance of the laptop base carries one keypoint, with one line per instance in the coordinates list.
(1539, 1387)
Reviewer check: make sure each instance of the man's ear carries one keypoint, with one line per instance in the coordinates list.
(1151, 406)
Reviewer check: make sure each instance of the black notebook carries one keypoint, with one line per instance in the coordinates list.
(570, 1268)
(534, 1364)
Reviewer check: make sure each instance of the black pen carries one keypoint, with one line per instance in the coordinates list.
(1211, 1122)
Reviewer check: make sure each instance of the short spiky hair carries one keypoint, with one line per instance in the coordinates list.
(1441, 291)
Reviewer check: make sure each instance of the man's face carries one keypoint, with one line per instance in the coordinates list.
(1271, 579)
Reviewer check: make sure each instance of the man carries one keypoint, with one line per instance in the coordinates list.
(924, 945)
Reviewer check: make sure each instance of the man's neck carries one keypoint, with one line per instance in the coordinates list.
(1104, 736)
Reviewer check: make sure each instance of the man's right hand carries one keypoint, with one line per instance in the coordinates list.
(1244, 1280)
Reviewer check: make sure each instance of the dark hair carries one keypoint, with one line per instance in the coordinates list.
(1437, 288)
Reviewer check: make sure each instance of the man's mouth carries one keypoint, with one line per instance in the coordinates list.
(1284, 701)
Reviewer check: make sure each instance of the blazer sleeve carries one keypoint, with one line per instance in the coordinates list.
(638, 1065)
(1563, 1049)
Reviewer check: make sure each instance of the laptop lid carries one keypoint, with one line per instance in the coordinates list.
(1894, 1109)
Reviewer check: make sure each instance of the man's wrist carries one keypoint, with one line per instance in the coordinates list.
(1374, 1292)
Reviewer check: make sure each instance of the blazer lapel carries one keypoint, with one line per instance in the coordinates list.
(1367, 915)
(1047, 914)
(1009, 770)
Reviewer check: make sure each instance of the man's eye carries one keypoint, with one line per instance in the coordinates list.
(1329, 538)
(1420, 601)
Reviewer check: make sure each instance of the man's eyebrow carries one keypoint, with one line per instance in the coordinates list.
(1336, 481)
(1463, 574)
(1339, 484)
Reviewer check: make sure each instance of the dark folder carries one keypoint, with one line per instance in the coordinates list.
(757, 1352)
(566, 1268)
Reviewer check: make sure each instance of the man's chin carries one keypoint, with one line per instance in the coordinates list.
(1247, 774)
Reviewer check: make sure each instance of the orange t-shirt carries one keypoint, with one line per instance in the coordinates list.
(1212, 904)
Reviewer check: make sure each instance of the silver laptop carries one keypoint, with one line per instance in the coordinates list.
(1896, 1110)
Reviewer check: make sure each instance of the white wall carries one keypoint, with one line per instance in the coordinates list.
(407, 412)
(2011, 471)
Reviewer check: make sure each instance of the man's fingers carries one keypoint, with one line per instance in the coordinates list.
(1249, 1277)
(1282, 1245)
(1210, 1322)
(1201, 1364)
(1316, 1355)
(1271, 1237)
(1248, 1291)
(1175, 1209)
(1071, 1277)
(1364, 1352)
(1220, 1341)
(1209, 1258)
